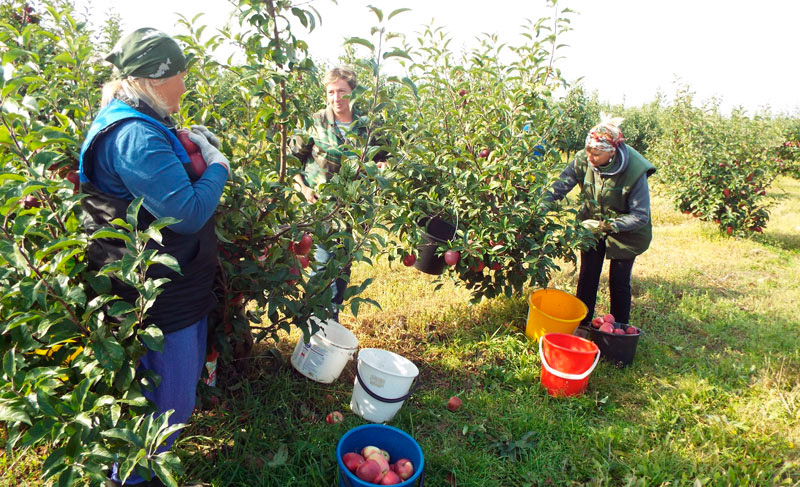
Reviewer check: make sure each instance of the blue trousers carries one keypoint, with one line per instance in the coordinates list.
(321, 255)
(179, 365)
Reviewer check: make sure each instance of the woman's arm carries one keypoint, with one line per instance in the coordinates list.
(147, 166)
(639, 208)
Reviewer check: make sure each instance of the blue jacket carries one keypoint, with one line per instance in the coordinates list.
(128, 153)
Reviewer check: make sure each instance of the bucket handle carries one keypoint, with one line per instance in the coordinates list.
(564, 375)
(421, 478)
(383, 399)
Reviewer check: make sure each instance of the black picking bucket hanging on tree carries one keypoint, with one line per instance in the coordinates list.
(437, 231)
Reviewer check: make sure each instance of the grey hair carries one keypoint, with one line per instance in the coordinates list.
(136, 90)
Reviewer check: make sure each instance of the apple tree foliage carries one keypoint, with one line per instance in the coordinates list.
(716, 168)
(474, 143)
(68, 348)
(787, 153)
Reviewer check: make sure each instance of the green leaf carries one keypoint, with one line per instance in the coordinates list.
(109, 353)
(45, 406)
(153, 338)
(13, 411)
(280, 457)
(10, 365)
(396, 12)
(397, 53)
(132, 215)
(361, 41)
(55, 463)
(125, 435)
(111, 233)
(378, 13)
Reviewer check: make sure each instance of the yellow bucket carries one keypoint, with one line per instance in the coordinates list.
(553, 311)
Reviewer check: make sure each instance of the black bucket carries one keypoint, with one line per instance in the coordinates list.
(437, 231)
(617, 349)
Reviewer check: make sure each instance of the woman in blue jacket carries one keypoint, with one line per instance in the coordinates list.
(132, 150)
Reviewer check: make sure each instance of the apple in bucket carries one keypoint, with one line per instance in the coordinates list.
(352, 461)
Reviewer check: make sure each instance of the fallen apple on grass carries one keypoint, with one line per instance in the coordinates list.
(454, 403)
(334, 417)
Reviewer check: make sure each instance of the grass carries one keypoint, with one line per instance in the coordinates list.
(713, 397)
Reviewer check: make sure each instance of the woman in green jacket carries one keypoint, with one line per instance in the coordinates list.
(613, 182)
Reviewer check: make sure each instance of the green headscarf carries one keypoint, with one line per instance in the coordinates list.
(147, 53)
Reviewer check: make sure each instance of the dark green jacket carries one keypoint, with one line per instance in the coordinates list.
(607, 191)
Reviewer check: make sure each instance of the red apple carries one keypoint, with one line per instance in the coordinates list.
(391, 478)
(186, 142)
(609, 318)
(31, 201)
(631, 330)
(404, 468)
(496, 266)
(454, 403)
(369, 450)
(304, 245)
(198, 163)
(462, 92)
(304, 261)
(334, 417)
(729, 230)
(352, 460)
(597, 322)
(478, 267)
(484, 153)
(369, 471)
(386, 455)
(607, 328)
(726, 192)
(382, 461)
(756, 229)
(619, 331)
(409, 260)
(75, 179)
(451, 257)
(293, 272)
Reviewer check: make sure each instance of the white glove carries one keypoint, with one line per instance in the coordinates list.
(202, 130)
(592, 225)
(211, 154)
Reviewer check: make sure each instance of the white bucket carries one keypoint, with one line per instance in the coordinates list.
(385, 374)
(324, 356)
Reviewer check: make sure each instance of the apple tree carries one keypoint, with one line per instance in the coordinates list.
(716, 168)
(475, 147)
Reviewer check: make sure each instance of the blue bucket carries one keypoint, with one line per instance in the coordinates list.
(395, 441)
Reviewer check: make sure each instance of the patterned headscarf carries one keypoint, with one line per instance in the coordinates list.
(147, 53)
(606, 135)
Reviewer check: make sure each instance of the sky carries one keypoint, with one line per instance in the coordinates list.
(741, 52)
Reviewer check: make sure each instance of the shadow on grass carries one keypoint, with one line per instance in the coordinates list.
(270, 430)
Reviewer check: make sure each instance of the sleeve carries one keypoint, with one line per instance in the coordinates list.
(639, 208)
(566, 181)
(301, 145)
(148, 167)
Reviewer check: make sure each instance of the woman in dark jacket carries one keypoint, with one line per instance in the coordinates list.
(613, 180)
(132, 150)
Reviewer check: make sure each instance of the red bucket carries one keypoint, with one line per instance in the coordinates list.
(567, 361)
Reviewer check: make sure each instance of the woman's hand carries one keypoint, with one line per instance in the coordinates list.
(211, 154)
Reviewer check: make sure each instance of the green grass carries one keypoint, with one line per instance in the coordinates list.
(713, 397)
